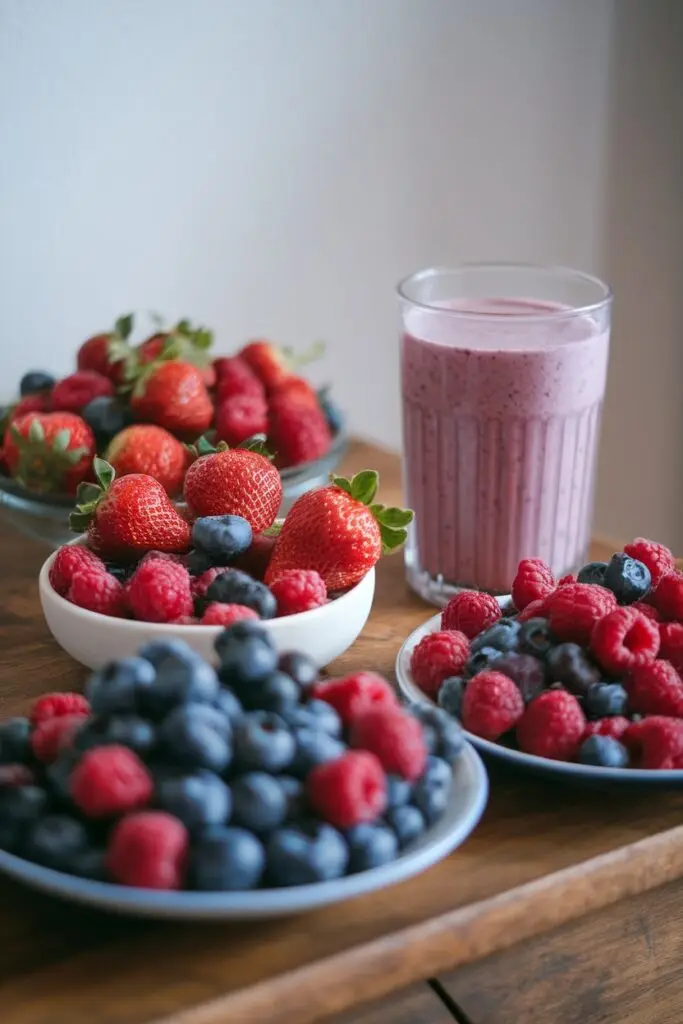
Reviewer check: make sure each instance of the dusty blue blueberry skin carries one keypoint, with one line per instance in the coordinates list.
(121, 687)
(197, 736)
(15, 745)
(536, 638)
(34, 381)
(442, 733)
(247, 655)
(502, 636)
(263, 742)
(592, 572)
(603, 752)
(227, 860)
(628, 578)
(199, 799)
(407, 822)
(235, 587)
(432, 789)
(370, 846)
(55, 841)
(106, 417)
(221, 537)
(276, 692)
(306, 853)
(313, 747)
(481, 660)
(180, 679)
(605, 699)
(260, 802)
(399, 791)
(20, 808)
(130, 731)
(300, 667)
(315, 714)
(450, 695)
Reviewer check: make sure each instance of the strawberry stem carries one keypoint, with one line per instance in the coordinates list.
(89, 495)
(393, 522)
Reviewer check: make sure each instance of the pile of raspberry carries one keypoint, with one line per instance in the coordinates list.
(586, 669)
(172, 774)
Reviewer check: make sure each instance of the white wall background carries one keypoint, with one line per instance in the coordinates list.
(274, 166)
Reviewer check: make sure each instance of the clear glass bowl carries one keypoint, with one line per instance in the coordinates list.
(46, 518)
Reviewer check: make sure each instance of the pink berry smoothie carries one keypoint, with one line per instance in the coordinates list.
(501, 414)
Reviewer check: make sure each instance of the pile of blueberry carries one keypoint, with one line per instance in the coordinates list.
(172, 774)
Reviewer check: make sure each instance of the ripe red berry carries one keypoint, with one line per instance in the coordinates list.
(614, 727)
(657, 741)
(536, 609)
(656, 689)
(218, 614)
(624, 639)
(667, 596)
(552, 726)
(68, 560)
(491, 705)
(97, 591)
(438, 656)
(574, 610)
(534, 581)
(53, 735)
(240, 417)
(54, 705)
(671, 643)
(349, 790)
(656, 557)
(471, 612)
(159, 591)
(74, 392)
(352, 695)
(647, 610)
(396, 738)
(298, 590)
(200, 584)
(110, 780)
(148, 850)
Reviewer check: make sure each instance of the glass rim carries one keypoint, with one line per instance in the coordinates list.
(461, 314)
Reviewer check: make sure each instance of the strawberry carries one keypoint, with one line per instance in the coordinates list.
(297, 429)
(49, 452)
(273, 365)
(240, 417)
(233, 481)
(339, 532)
(127, 516)
(296, 389)
(235, 377)
(172, 394)
(190, 344)
(108, 353)
(73, 393)
(146, 448)
(31, 403)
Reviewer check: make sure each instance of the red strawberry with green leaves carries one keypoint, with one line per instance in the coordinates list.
(298, 430)
(108, 353)
(339, 531)
(127, 516)
(172, 394)
(234, 481)
(50, 453)
(274, 365)
(146, 448)
(190, 344)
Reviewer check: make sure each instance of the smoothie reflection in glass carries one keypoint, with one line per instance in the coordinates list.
(503, 375)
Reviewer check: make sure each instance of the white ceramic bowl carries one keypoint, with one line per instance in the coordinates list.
(93, 639)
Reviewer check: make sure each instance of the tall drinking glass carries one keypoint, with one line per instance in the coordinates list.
(503, 375)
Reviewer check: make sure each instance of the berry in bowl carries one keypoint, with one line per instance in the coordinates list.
(177, 789)
(147, 569)
(577, 679)
(136, 405)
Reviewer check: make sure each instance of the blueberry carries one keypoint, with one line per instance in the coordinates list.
(197, 736)
(227, 860)
(594, 572)
(55, 841)
(399, 791)
(370, 846)
(235, 587)
(508, 610)
(259, 802)
(295, 795)
(502, 635)
(181, 680)
(274, 693)
(263, 741)
(450, 695)
(604, 752)
(198, 800)
(19, 808)
(106, 417)
(58, 775)
(157, 651)
(443, 735)
(316, 714)
(481, 660)
(313, 747)
(15, 744)
(130, 731)
(407, 822)
(432, 789)
(120, 572)
(627, 578)
(300, 667)
(526, 671)
(89, 863)
(120, 686)
(92, 734)
(221, 537)
(197, 563)
(246, 655)
(535, 637)
(227, 702)
(570, 665)
(34, 381)
(331, 412)
(306, 853)
(605, 699)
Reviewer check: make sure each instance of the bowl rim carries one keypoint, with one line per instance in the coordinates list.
(312, 617)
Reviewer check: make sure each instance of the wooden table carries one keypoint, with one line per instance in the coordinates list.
(562, 908)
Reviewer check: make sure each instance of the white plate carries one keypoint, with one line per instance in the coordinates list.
(468, 800)
(567, 771)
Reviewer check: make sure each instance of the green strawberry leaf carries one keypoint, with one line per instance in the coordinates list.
(202, 338)
(392, 540)
(74, 456)
(104, 472)
(61, 440)
(295, 360)
(394, 518)
(88, 493)
(341, 482)
(275, 529)
(157, 319)
(183, 327)
(364, 486)
(124, 326)
(172, 349)
(78, 520)
(257, 443)
(36, 432)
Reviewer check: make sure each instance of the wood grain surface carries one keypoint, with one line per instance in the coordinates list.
(543, 856)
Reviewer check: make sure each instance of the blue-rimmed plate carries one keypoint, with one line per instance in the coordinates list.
(469, 795)
(564, 771)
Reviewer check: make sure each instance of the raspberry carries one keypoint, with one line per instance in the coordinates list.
(533, 582)
(239, 417)
(110, 780)
(491, 705)
(647, 610)
(438, 656)
(186, 620)
(656, 689)
(75, 391)
(53, 735)
(348, 790)
(470, 612)
(535, 609)
(200, 584)
(574, 609)
(395, 737)
(657, 741)
(656, 557)
(159, 591)
(667, 596)
(97, 591)
(69, 560)
(298, 590)
(148, 850)
(614, 727)
(54, 705)
(218, 614)
(552, 726)
(624, 639)
(671, 643)
(564, 580)
(355, 694)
